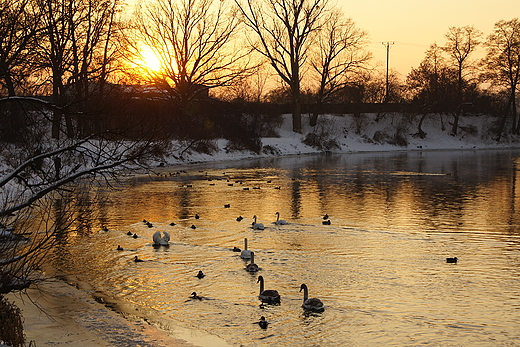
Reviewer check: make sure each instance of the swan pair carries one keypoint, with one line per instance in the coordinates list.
(271, 296)
(162, 240)
(260, 226)
(247, 254)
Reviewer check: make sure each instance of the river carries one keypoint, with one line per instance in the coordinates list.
(379, 267)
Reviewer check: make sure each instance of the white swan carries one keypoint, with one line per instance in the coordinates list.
(162, 240)
(269, 296)
(252, 267)
(311, 304)
(257, 226)
(245, 254)
(279, 221)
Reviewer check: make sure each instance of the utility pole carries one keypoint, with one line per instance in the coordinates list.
(387, 44)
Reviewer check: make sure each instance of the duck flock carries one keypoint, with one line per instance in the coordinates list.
(266, 296)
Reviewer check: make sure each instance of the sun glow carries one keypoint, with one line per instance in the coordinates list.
(149, 59)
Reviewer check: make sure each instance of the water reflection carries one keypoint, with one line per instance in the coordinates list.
(379, 267)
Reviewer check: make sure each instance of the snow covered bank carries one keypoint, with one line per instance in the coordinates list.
(369, 132)
(64, 315)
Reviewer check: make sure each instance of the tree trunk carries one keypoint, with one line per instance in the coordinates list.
(456, 122)
(297, 117)
(513, 106)
(313, 119)
(297, 109)
(56, 114)
(503, 122)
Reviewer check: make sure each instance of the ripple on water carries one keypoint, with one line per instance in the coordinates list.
(379, 267)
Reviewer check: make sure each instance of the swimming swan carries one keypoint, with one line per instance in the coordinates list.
(245, 254)
(278, 220)
(162, 240)
(252, 267)
(312, 304)
(269, 296)
(257, 226)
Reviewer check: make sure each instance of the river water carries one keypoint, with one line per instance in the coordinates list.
(379, 267)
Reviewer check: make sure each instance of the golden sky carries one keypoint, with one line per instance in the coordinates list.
(415, 24)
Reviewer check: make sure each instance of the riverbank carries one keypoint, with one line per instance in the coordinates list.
(366, 133)
(62, 311)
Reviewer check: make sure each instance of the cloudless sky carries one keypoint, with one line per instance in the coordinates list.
(415, 24)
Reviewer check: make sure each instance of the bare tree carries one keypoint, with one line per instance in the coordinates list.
(194, 41)
(433, 83)
(503, 64)
(284, 30)
(249, 87)
(94, 43)
(338, 56)
(461, 42)
(75, 50)
(18, 33)
(37, 182)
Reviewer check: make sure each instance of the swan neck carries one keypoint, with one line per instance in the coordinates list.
(261, 284)
(245, 244)
(305, 294)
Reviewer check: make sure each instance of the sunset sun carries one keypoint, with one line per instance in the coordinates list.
(149, 59)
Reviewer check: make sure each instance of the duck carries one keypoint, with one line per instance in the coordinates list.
(129, 233)
(269, 296)
(311, 304)
(119, 248)
(252, 267)
(197, 216)
(245, 254)
(263, 323)
(137, 260)
(162, 240)
(239, 218)
(200, 274)
(227, 205)
(236, 249)
(257, 226)
(135, 236)
(451, 260)
(326, 222)
(195, 296)
(279, 221)
(326, 216)
(104, 228)
(172, 224)
(193, 226)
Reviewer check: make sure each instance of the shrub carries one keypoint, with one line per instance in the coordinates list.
(320, 141)
(11, 328)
